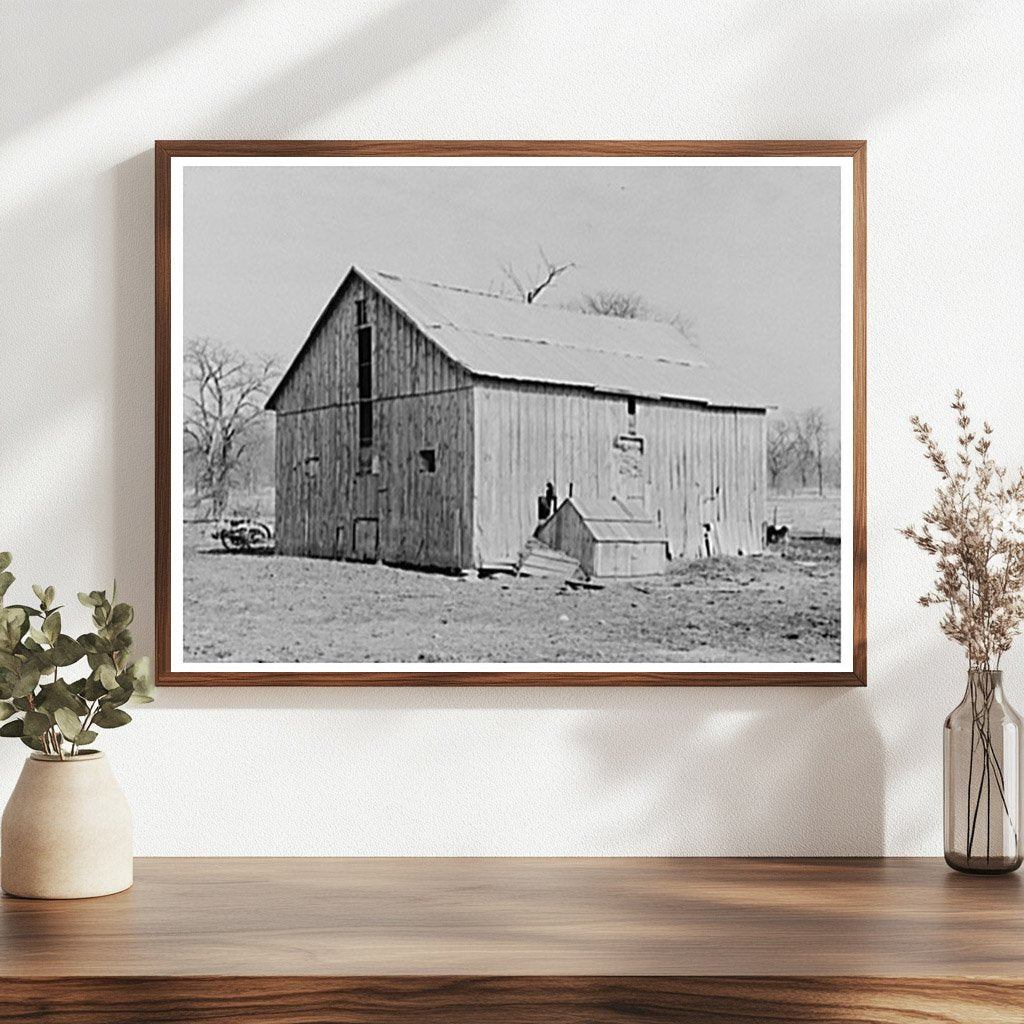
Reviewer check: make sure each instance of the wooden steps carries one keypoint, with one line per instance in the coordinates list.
(537, 559)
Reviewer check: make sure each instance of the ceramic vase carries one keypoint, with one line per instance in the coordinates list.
(66, 831)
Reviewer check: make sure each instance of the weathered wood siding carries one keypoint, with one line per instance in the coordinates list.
(698, 466)
(567, 532)
(336, 501)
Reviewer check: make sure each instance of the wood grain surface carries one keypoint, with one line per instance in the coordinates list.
(505, 916)
(502, 940)
(166, 150)
(511, 1000)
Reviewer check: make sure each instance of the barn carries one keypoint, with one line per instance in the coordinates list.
(432, 426)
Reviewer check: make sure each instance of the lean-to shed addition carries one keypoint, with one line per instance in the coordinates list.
(432, 426)
(608, 537)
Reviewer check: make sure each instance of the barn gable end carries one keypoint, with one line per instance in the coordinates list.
(387, 479)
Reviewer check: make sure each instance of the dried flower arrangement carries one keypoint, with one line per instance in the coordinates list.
(975, 529)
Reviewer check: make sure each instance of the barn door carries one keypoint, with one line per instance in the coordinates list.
(309, 502)
(631, 471)
(366, 540)
(366, 518)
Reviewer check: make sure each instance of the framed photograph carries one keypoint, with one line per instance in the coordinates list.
(491, 413)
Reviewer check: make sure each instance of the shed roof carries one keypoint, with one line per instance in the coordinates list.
(494, 336)
(607, 510)
(613, 519)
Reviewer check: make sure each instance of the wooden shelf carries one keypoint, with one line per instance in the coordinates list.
(505, 940)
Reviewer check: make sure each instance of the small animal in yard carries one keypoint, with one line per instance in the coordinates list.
(777, 534)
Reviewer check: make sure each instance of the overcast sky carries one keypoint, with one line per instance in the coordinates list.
(750, 255)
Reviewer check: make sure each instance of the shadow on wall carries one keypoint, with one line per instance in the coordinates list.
(738, 771)
(803, 59)
(690, 771)
(86, 29)
(393, 40)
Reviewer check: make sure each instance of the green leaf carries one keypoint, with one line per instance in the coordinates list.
(108, 718)
(40, 593)
(38, 636)
(50, 594)
(122, 616)
(27, 681)
(28, 610)
(51, 626)
(5, 560)
(107, 676)
(115, 698)
(36, 723)
(66, 651)
(86, 736)
(124, 640)
(13, 626)
(6, 710)
(31, 741)
(94, 644)
(16, 727)
(6, 579)
(89, 600)
(68, 722)
(142, 681)
(94, 689)
(59, 695)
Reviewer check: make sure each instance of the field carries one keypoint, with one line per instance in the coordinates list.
(259, 608)
(805, 512)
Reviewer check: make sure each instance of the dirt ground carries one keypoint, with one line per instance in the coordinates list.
(253, 608)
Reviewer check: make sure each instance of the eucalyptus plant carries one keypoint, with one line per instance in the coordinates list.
(37, 704)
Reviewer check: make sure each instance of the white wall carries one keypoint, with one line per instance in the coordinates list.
(935, 87)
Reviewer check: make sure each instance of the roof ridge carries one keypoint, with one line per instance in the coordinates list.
(627, 322)
(578, 348)
(449, 287)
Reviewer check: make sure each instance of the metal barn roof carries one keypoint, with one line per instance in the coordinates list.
(493, 336)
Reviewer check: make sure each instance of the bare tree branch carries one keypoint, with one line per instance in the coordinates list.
(224, 392)
(541, 277)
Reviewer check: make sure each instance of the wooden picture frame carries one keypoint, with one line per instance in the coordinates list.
(172, 156)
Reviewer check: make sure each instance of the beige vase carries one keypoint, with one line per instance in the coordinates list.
(66, 831)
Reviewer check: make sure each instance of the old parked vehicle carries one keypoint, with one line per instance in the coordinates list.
(245, 534)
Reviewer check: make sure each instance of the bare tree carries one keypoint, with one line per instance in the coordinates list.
(627, 305)
(631, 306)
(224, 394)
(529, 286)
(813, 434)
(779, 450)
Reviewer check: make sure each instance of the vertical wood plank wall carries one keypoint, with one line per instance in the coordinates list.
(422, 400)
(701, 464)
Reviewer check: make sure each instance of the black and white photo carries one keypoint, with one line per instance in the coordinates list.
(511, 414)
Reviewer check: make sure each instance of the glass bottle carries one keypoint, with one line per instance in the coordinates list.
(981, 772)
